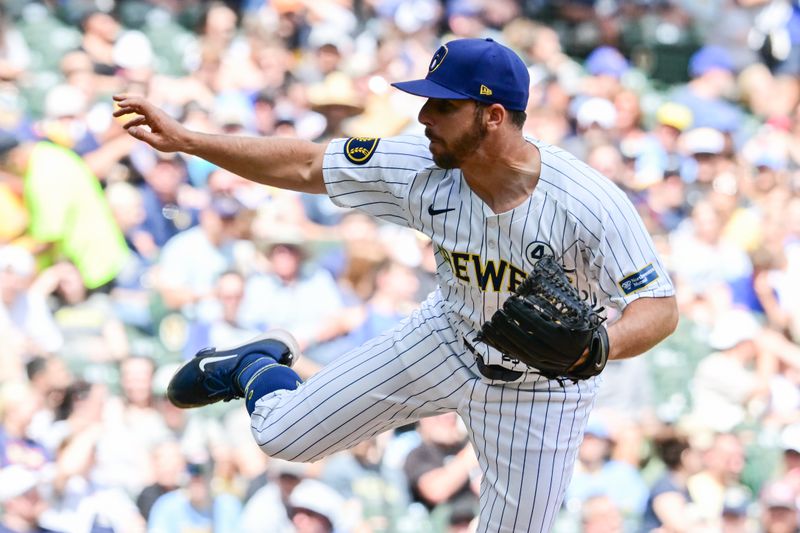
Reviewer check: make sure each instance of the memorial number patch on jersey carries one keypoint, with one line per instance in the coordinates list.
(358, 150)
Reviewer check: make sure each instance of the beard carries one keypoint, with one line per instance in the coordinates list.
(455, 152)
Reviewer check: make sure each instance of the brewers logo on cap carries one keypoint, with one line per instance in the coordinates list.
(358, 150)
(437, 58)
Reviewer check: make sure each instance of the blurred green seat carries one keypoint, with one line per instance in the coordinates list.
(170, 39)
(47, 37)
(672, 365)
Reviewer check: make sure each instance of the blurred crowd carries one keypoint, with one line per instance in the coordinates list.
(118, 262)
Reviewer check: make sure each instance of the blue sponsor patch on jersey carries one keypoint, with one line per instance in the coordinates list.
(358, 150)
(639, 280)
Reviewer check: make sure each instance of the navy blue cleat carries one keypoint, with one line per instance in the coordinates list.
(212, 375)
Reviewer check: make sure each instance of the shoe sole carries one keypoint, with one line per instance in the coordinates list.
(283, 336)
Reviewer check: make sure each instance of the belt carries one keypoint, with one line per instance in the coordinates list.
(496, 372)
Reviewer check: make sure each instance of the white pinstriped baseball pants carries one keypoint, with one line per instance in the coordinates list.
(526, 434)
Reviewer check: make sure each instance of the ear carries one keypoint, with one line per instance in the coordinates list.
(494, 116)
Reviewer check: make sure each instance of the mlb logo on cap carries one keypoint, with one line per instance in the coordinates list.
(474, 69)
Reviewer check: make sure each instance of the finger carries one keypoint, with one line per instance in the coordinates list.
(126, 107)
(129, 104)
(143, 134)
(122, 111)
(138, 121)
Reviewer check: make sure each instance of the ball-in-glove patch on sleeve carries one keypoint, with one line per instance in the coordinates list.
(549, 325)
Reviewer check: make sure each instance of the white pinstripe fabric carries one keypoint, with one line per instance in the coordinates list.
(526, 433)
(576, 212)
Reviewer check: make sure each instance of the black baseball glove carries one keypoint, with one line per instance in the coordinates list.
(548, 325)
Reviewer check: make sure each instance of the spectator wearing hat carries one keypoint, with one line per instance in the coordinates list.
(64, 121)
(232, 113)
(337, 99)
(267, 509)
(779, 511)
(597, 473)
(69, 215)
(706, 150)
(605, 67)
(316, 508)
(659, 153)
(665, 200)
(599, 514)
(595, 123)
(736, 512)
(21, 501)
(294, 293)
(195, 506)
(24, 312)
(192, 260)
(167, 211)
(712, 78)
(224, 328)
(723, 462)
(328, 47)
(464, 18)
(789, 469)
(727, 380)
(596, 112)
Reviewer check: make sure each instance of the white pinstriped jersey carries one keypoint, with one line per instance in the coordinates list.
(574, 213)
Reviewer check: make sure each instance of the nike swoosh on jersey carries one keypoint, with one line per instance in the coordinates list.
(217, 359)
(433, 211)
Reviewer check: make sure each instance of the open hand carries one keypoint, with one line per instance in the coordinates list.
(151, 124)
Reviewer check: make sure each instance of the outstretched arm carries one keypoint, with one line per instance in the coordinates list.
(644, 323)
(280, 162)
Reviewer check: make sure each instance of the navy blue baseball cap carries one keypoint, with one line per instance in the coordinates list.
(474, 69)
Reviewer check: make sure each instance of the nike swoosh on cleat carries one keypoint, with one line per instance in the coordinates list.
(433, 211)
(204, 362)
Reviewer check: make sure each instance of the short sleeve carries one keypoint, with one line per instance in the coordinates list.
(627, 263)
(374, 174)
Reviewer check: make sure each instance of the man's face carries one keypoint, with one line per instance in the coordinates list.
(455, 129)
(779, 519)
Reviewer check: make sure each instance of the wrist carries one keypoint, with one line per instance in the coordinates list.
(191, 141)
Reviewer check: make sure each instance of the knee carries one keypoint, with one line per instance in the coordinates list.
(277, 434)
(281, 445)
